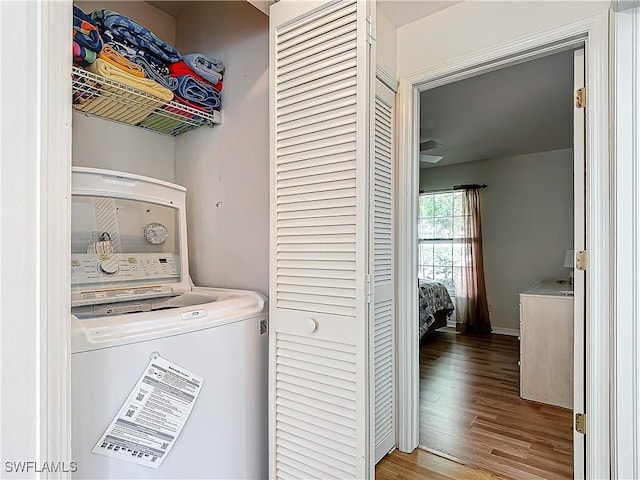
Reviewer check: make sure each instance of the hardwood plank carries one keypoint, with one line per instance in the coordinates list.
(471, 410)
(421, 465)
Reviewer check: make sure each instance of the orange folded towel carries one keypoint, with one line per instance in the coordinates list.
(108, 54)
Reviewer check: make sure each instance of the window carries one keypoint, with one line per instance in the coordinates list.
(441, 238)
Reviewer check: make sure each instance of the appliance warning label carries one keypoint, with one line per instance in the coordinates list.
(150, 421)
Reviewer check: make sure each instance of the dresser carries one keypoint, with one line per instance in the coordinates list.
(546, 343)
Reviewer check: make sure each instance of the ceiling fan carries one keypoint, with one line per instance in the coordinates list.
(425, 147)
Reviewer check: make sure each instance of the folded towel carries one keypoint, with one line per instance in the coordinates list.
(208, 68)
(115, 103)
(108, 54)
(100, 67)
(153, 68)
(82, 56)
(151, 71)
(166, 124)
(125, 29)
(195, 91)
(193, 105)
(181, 68)
(128, 50)
(86, 36)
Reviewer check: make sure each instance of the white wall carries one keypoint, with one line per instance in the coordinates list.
(226, 168)
(105, 144)
(386, 43)
(527, 221)
(472, 26)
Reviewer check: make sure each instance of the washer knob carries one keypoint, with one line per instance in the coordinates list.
(108, 268)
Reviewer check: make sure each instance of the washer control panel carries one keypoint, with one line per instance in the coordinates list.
(89, 268)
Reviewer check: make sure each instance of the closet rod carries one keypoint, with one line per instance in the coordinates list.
(455, 187)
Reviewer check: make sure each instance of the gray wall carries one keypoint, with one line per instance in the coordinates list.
(104, 144)
(226, 168)
(527, 221)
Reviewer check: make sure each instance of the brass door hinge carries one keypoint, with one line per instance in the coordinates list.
(581, 97)
(581, 425)
(581, 260)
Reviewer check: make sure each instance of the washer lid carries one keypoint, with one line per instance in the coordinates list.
(128, 237)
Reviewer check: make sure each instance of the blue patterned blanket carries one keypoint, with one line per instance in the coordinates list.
(433, 298)
(123, 29)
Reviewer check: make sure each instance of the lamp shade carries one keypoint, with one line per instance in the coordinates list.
(568, 258)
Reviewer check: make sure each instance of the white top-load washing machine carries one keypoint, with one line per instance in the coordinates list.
(168, 380)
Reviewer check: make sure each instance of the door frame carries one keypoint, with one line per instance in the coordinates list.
(35, 335)
(593, 33)
(626, 144)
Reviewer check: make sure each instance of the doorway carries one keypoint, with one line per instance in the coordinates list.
(591, 33)
(511, 129)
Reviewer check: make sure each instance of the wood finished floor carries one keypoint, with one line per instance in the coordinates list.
(471, 410)
(421, 465)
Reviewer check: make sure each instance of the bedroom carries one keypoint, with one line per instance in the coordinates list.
(510, 130)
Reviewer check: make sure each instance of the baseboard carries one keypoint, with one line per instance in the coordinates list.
(512, 332)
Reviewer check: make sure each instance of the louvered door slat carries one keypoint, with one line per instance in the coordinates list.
(304, 32)
(325, 393)
(318, 426)
(300, 78)
(334, 168)
(382, 259)
(315, 109)
(323, 435)
(320, 389)
(317, 221)
(318, 342)
(336, 117)
(319, 53)
(331, 67)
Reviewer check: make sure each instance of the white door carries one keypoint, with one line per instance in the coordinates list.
(320, 96)
(381, 248)
(579, 276)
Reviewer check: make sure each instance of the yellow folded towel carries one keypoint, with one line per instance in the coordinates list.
(120, 104)
(100, 67)
(108, 54)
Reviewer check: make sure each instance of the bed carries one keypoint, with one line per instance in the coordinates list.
(434, 305)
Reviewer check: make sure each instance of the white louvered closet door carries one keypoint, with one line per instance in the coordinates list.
(382, 178)
(320, 99)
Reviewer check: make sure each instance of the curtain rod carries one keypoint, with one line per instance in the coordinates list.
(455, 187)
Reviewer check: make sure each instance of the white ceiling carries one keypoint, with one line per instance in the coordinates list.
(401, 12)
(521, 109)
(171, 7)
(176, 7)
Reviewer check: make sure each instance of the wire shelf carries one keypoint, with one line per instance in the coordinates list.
(102, 97)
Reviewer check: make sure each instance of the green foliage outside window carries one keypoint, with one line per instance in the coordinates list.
(441, 235)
